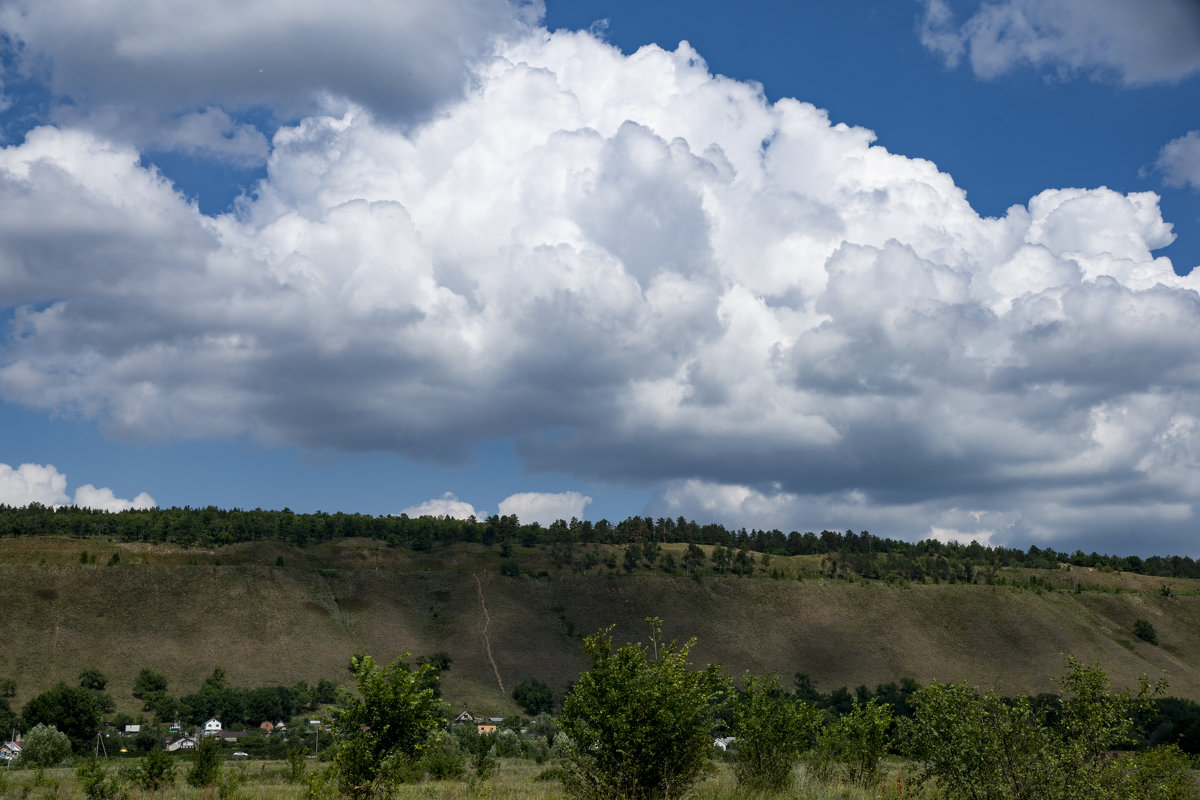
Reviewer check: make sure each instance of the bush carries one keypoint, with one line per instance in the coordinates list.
(45, 746)
(770, 729)
(297, 760)
(443, 759)
(639, 721)
(1144, 630)
(852, 746)
(383, 730)
(96, 782)
(206, 763)
(155, 771)
(981, 746)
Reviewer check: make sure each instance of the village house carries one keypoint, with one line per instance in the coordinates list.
(10, 750)
(212, 727)
(183, 743)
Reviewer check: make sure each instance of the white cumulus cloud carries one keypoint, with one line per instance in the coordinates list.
(1179, 161)
(445, 506)
(1150, 41)
(544, 507)
(42, 483)
(636, 271)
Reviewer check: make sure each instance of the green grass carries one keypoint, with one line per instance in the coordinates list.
(514, 780)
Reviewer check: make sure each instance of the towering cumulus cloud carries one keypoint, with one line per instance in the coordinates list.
(638, 271)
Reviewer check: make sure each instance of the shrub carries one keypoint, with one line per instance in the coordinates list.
(981, 746)
(852, 746)
(95, 781)
(443, 759)
(770, 729)
(297, 761)
(1144, 630)
(383, 729)
(639, 720)
(206, 763)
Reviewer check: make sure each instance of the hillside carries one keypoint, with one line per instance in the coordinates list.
(271, 613)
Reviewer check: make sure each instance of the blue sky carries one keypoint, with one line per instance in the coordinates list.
(921, 268)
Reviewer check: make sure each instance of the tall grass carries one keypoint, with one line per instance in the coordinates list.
(516, 779)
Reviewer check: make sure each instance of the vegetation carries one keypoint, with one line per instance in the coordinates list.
(384, 727)
(639, 721)
(771, 729)
(860, 554)
(44, 746)
(71, 709)
(1144, 630)
(534, 697)
(983, 746)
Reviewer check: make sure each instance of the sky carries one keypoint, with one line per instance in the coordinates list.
(918, 267)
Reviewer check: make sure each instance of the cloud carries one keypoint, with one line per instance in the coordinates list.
(1153, 41)
(445, 506)
(637, 272)
(88, 496)
(1179, 161)
(38, 483)
(159, 74)
(544, 508)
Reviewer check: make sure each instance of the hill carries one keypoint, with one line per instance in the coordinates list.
(272, 613)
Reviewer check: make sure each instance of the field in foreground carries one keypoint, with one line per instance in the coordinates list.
(516, 779)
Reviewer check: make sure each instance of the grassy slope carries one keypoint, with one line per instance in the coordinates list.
(181, 613)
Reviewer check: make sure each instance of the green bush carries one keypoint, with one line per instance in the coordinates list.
(851, 747)
(770, 729)
(981, 746)
(382, 730)
(1144, 630)
(443, 758)
(96, 782)
(639, 721)
(206, 763)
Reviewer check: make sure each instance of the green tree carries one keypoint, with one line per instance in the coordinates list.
(206, 764)
(8, 688)
(93, 679)
(982, 747)
(770, 729)
(639, 720)
(383, 728)
(73, 710)
(534, 697)
(45, 746)
(148, 682)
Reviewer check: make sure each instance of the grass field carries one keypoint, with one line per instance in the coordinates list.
(183, 612)
(515, 779)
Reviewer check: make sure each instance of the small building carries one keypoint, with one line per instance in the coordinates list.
(133, 730)
(267, 726)
(463, 718)
(10, 750)
(212, 727)
(723, 742)
(183, 743)
(485, 727)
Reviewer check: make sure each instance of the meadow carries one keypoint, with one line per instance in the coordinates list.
(515, 779)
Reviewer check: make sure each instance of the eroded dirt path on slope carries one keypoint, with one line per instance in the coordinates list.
(487, 621)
